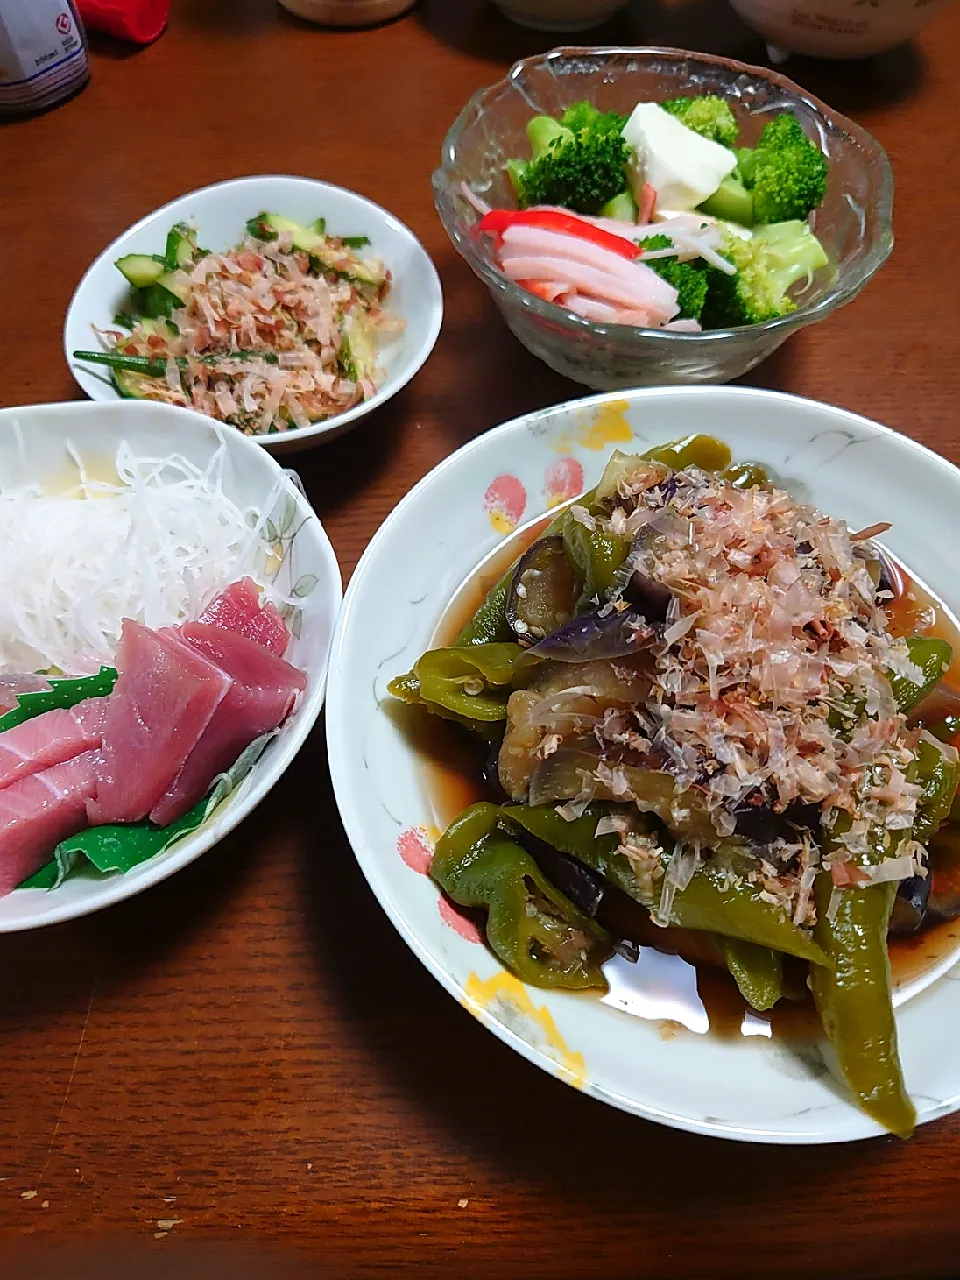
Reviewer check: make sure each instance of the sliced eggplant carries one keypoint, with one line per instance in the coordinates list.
(760, 822)
(583, 886)
(890, 577)
(648, 596)
(910, 905)
(491, 775)
(596, 636)
(543, 591)
(627, 921)
(944, 900)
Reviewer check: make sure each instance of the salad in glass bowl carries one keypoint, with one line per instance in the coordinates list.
(650, 216)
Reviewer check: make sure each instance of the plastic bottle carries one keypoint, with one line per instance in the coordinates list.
(43, 54)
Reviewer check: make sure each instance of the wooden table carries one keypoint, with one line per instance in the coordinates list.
(247, 1057)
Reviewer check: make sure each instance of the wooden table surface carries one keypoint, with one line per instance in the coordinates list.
(226, 1051)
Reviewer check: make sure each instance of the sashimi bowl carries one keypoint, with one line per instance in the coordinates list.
(646, 1027)
(853, 224)
(167, 602)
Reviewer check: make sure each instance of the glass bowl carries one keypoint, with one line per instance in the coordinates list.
(854, 222)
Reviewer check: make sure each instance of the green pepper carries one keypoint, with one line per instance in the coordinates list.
(474, 682)
(745, 475)
(930, 654)
(489, 624)
(854, 998)
(757, 971)
(705, 452)
(596, 555)
(531, 927)
(560, 778)
(933, 656)
(407, 689)
(469, 685)
(620, 467)
(939, 777)
(713, 901)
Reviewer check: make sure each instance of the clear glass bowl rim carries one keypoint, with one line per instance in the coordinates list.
(846, 286)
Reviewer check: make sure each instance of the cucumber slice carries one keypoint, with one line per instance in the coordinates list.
(181, 247)
(140, 269)
(131, 386)
(302, 237)
(158, 299)
(173, 283)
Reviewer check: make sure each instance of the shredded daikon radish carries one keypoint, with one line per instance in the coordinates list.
(157, 544)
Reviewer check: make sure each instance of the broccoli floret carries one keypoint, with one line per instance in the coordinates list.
(578, 170)
(708, 115)
(784, 130)
(768, 264)
(584, 115)
(786, 173)
(688, 278)
(731, 202)
(622, 207)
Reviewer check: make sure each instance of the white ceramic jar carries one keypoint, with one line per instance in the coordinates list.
(837, 28)
(560, 15)
(348, 13)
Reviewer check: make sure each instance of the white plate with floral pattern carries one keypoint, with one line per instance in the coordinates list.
(39, 445)
(661, 1060)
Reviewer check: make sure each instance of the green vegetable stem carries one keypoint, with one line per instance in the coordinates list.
(933, 656)
(757, 971)
(596, 555)
(532, 928)
(713, 901)
(151, 367)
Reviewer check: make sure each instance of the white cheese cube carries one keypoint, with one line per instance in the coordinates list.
(683, 167)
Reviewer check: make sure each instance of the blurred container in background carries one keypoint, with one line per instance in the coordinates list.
(43, 54)
(836, 28)
(348, 13)
(560, 15)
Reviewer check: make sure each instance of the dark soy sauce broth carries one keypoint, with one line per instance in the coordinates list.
(662, 986)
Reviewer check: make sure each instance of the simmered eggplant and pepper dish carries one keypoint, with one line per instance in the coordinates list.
(698, 707)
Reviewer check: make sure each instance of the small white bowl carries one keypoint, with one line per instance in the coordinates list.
(38, 453)
(747, 1086)
(560, 15)
(835, 28)
(220, 213)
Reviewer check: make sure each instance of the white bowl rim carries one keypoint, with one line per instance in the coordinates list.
(118, 887)
(333, 425)
(348, 808)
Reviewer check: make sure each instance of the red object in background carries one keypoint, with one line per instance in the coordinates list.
(138, 20)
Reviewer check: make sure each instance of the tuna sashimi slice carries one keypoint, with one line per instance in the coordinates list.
(11, 687)
(49, 739)
(164, 698)
(262, 693)
(38, 812)
(239, 609)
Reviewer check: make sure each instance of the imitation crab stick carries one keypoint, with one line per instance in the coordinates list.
(536, 242)
(500, 220)
(660, 301)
